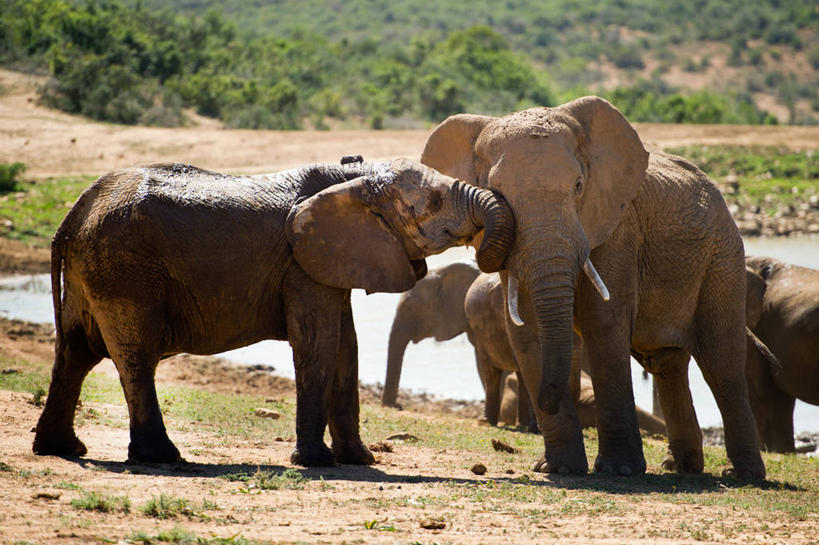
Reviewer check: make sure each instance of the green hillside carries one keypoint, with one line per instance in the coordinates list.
(305, 63)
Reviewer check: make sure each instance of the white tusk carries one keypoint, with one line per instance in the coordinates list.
(512, 300)
(591, 273)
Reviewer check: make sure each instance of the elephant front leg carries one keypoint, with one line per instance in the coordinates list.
(492, 387)
(343, 409)
(564, 451)
(620, 444)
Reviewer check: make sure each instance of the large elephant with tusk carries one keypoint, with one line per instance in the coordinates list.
(584, 189)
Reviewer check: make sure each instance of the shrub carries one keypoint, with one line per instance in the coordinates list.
(9, 173)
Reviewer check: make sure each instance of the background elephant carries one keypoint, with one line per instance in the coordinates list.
(170, 258)
(783, 312)
(584, 189)
(433, 308)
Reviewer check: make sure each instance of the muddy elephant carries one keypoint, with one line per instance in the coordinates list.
(433, 308)
(169, 258)
(585, 191)
(783, 312)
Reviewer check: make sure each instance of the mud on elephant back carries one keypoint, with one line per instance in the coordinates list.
(157, 260)
(584, 189)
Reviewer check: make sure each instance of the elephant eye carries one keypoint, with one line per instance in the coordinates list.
(578, 186)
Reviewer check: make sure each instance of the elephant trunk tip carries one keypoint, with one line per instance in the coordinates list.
(549, 398)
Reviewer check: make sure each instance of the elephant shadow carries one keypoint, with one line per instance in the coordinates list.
(665, 483)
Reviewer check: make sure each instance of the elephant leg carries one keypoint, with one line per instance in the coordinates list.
(491, 379)
(149, 439)
(313, 315)
(563, 451)
(621, 446)
(55, 428)
(526, 416)
(343, 413)
(772, 408)
(721, 357)
(684, 435)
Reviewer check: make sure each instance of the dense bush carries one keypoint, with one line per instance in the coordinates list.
(146, 61)
(9, 173)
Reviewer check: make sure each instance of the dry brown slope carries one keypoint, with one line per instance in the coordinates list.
(53, 143)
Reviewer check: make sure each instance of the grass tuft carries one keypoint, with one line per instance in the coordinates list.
(92, 501)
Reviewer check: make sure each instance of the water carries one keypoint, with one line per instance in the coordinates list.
(445, 369)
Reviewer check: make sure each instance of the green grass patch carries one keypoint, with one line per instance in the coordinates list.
(92, 501)
(37, 208)
(168, 507)
(180, 536)
(9, 175)
(766, 176)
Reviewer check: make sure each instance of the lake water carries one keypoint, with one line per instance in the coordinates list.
(444, 369)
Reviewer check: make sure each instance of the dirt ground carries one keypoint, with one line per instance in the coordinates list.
(336, 505)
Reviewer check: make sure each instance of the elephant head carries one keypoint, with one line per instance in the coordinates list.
(569, 174)
(434, 307)
(374, 231)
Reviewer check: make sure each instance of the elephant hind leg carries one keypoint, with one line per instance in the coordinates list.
(720, 354)
(149, 438)
(684, 435)
(73, 359)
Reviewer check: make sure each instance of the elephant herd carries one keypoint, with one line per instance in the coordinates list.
(602, 247)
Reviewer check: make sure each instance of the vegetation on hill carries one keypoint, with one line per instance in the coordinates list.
(291, 64)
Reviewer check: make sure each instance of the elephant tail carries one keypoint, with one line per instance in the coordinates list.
(56, 289)
(773, 361)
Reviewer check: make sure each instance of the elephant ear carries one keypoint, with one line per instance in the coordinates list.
(754, 295)
(450, 147)
(340, 241)
(617, 163)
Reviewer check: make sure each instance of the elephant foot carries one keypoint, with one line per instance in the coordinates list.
(620, 464)
(355, 454)
(58, 445)
(565, 461)
(313, 456)
(690, 461)
(152, 447)
(750, 469)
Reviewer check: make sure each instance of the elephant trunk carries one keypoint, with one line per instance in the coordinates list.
(550, 280)
(489, 210)
(400, 336)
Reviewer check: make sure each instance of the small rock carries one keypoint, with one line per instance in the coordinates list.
(262, 412)
(478, 469)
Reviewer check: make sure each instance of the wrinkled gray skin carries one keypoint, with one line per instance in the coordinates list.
(783, 312)
(170, 258)
(433, 308)
(583, 189)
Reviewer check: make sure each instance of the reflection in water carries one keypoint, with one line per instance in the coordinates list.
(445, 369)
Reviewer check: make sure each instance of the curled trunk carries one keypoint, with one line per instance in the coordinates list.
(489, 210)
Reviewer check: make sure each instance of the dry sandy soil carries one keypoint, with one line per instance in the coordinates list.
(334, 505)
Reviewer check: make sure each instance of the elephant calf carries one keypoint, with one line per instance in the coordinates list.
(783, 312)
(169, 258)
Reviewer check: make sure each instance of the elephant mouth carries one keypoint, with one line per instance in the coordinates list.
(420, 268)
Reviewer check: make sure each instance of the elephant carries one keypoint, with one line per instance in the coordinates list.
(433, 308)
(487, 329)
(783, 312)
(458, 299)
(170, 258)
(585, 191)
